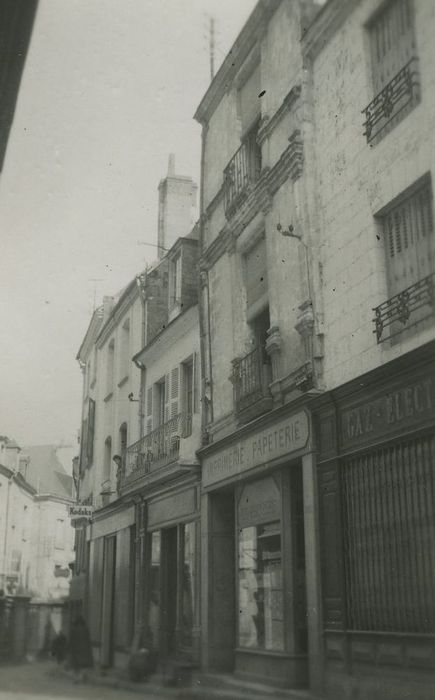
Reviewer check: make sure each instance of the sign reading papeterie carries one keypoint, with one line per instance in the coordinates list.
(282, 438)
(77, 511)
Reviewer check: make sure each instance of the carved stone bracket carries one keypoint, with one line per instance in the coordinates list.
(273, 349)
(305, 327)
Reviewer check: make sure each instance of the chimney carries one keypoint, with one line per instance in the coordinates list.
(10, 452)
(177, 200)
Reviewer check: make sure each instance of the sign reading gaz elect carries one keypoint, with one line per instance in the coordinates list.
(284, 437)
(78, 511)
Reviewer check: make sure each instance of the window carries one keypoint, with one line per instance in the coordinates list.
(175, 282)
(110, 366)
(394, 66)
(124, 358)
(107, 460)
(188, 399)
(90, 432)
(248, 100)
(255, 269)
(389, 530)
(408, 234)
(123, 443)
(261, 599)
(59, 535)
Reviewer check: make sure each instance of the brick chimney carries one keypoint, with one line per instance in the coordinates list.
(177, 200)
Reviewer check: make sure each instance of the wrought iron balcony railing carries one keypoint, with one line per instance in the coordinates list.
(402, 91)
(243, 169)
(159, 448)
(403, 308)
(251, 377)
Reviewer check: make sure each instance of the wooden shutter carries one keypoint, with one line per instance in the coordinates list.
(167, 398)
(175, 390)
(392, 41)
(91, 431)
(409, 240)
(256, 271)
(249, 100)
(149, 409)
(195, 370)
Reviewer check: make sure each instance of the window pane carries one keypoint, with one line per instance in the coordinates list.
(188, 584)
(261, 609)
(154, 604)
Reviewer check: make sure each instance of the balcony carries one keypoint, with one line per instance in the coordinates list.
(393, 102)
(158, 449)
(413, 304)
(243, 170)
(251, 377)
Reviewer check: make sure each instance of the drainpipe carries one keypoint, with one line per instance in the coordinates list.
(204, 304)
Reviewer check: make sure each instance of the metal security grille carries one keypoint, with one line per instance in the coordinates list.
(389, 519)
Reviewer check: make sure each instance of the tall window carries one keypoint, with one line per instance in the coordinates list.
(124, 360)
(123, 443)
(255, 264)
(175, 281)
(91, 432)
(408, 233)
(110, 366)
(392, 41)
(394, 66)
(107, 459)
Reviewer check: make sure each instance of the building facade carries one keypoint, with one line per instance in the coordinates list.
(262, 346)
(373, 97)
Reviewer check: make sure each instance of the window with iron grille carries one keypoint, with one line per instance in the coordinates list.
(409, 241)
(394, 66)
(389, 537)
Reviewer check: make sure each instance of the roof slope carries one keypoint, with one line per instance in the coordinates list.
(46, 472)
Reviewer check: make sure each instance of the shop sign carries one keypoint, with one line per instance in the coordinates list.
(280, 439)
(398, 410)
(77, 512)
(259, 503)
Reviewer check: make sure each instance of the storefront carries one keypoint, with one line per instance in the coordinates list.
(254, 565)
(171, 574)
(377, 523)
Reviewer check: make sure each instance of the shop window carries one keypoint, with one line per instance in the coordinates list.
(409, 241)
(155, 588)
(261, 600)
(394, 66)
(389, 534)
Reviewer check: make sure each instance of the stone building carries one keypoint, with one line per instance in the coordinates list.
(262, 346)
(140, 430)
(317, 271)
(372, 88)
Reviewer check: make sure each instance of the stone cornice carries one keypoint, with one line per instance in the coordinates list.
(258, 198)
(268, 124)
(328, 20)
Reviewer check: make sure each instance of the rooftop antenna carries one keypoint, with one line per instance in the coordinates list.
(212, 46)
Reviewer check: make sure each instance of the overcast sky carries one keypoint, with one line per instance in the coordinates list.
(108, 91)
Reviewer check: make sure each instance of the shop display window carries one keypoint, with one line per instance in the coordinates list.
(261, 600)
(188, 583)
(155, 588)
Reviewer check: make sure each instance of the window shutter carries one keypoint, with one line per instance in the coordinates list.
(175, 386)
(249, 100)
(91, 431)
(256, 271)
(149, 409)
(392, 41)
(167, 398)
(195, 382)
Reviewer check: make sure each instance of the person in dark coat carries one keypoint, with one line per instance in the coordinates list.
(58, 647)
(80, 647)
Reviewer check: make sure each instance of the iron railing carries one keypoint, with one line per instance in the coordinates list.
(389, 536)
(251, 376)
(401, 91)
(243, 169)
(159, 448)
(401, 309)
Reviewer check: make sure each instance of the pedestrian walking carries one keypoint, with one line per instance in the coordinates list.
(80, 648)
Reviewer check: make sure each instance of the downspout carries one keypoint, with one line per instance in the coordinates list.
(204, 309)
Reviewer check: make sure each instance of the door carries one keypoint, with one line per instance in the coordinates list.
(109, 561)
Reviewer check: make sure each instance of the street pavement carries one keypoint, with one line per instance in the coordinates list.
(44, 681)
